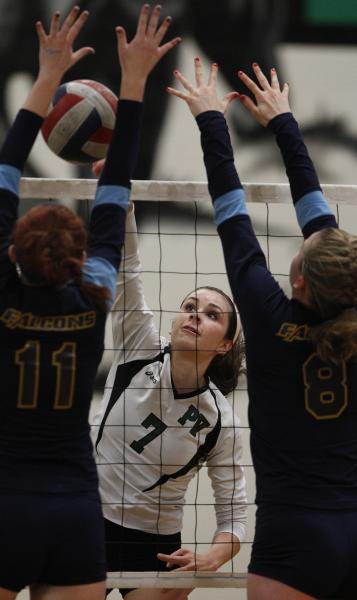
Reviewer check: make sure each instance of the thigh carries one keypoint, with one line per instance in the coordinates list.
(7, 594)
(157, 594)
(94, 591)
(304, 549)
(134, 550)
(76, 550)
(23, 534)
(262, 588)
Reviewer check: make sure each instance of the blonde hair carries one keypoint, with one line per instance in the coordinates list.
(329, 266)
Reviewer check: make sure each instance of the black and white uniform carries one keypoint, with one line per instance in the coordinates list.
(150, 441)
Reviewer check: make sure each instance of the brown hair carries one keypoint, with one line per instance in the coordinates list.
(225, 369)
(49, 242)
(330, 267)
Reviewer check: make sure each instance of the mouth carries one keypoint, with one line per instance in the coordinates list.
(190, 330)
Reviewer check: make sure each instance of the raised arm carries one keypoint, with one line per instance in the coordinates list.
(245, 262)
(56, 56)
(137, 59)
(271, 109)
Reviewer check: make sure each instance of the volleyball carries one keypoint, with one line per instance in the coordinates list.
(80, 121)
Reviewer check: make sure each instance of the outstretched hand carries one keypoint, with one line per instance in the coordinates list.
(270, 100)
(139, 56)
(204, 96)
(56, 53)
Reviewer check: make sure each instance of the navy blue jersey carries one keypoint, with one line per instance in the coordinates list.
(51, 340)
(302, 412)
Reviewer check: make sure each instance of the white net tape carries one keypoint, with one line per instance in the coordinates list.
(174, 191)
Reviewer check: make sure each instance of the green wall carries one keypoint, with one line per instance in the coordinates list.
(331, 12)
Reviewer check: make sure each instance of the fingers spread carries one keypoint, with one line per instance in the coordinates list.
(77, 26)
(169, 45)
(154, 21)
(161, 32)
(213, 75)
(55, 23)
(70, 20)
(198, 71)
(249, 83)
(79, 54)
(186, 84)
(40, 32)
(261, 77)
(181, 95)
(143, 20)
(274, 79)
(121, 36)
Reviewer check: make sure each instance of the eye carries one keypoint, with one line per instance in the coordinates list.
(190, 307)
(212, 315)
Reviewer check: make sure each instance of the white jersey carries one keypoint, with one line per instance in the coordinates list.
(149, 440)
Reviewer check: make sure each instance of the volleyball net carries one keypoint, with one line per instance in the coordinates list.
(180, 251)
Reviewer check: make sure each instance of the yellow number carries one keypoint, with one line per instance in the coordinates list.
(28, 360)
(326, 393)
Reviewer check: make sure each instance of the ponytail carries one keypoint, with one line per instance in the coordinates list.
(330, 268)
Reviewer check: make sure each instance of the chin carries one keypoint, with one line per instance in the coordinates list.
(184, 343)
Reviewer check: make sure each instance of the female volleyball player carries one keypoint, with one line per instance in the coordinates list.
(163, 415)
(301, 359)
(53, 308)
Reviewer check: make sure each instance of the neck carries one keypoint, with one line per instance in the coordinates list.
(187, 372)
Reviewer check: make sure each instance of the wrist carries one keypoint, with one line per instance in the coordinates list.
(276, 122)
(49, 79)
(132, 90)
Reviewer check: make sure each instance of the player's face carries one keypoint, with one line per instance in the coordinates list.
(202, 323)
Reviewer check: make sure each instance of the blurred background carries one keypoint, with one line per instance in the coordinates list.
(312, 43)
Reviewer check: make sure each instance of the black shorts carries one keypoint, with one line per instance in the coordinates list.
(134, 550)
(313, 551)
(50, 539)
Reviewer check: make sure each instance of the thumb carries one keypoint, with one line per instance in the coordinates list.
(81, 53)
(121, 37)
(228, 98)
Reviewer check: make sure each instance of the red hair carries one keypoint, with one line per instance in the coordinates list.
(49, 242)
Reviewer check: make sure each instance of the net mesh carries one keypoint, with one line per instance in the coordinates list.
(180, 251)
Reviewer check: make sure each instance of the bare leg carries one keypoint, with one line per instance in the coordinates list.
(7, 594)
(263, 588)
(92, 591)
(158, 594)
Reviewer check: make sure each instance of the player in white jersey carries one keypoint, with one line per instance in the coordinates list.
(160, 419)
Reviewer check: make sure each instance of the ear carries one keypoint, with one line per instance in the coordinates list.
(224, 347)
(12, 253)
(299, 283)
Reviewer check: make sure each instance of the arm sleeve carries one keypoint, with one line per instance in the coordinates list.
(135, 335)
(252, 285)
(228, 481)
(312, 210)
(107, 222)
(13, 155)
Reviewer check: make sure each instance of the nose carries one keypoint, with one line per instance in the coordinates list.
(195, 317)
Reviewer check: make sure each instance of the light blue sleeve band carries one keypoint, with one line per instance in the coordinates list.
(100, 271)
(311, 206)
(113, 194)
(10, 178)
(230, 205)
